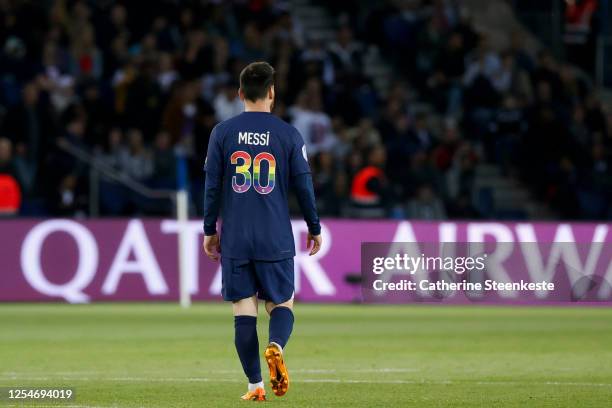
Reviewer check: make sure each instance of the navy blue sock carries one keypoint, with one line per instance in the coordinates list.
(247, 345)
(281, 325)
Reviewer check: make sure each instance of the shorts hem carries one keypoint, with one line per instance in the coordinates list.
(237, 298)
(268, 299)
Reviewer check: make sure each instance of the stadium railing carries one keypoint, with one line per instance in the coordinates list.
(178, 197)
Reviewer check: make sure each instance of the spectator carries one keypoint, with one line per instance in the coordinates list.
(430, 42)
(110, 153)
(329, 182)
(346, 54)
(517, 49)
(136, 160)
(180, 110)
(443, 153)
(227, 103)
(197, 56)
(55, 79)
(421, 136)
(595, 185)
(445, 82)
(113, 196)
(252, 48)
(580, 30)
(314, 125)
(98, 113)
(87, 58)
(144, 116)
(370, 190)
(167, 75)
(546, 71)
(426, 205)
(316, 63)
(10, 190)
(365, 133)
(67, 199)
(420, 172)
(7, 165)
(31, 124)
(512, 79)
(461, 176)
(399, 150)
(506, 129)
(164, 162)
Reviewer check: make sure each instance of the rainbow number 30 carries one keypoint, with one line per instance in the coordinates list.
(244, 169)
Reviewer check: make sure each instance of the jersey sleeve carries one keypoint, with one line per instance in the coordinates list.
(213, 166)
(214, 156)
(298, 158)
(302, 184)
(304, 191)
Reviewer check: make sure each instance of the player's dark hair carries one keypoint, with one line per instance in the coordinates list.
(256, 79)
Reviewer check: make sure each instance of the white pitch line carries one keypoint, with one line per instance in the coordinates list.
(235, 371)
(312, 380)
(383, 370)
(449, 382)
(231, 371)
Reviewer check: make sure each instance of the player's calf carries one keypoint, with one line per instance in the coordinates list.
(247, 346)
(281, 326)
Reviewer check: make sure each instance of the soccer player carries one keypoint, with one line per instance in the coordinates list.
(252, 160)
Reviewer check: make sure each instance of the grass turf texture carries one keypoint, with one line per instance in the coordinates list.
(157, 355)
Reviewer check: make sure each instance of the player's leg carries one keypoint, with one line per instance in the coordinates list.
(281, 326)
(281, 321)
(247, 345)
(239, 287)
(277, 288)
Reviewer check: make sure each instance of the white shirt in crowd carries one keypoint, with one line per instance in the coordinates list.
(226, 108)
(316, 129)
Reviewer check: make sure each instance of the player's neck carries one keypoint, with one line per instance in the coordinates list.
(259, 106)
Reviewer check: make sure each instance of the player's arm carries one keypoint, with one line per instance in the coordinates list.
(302, 184)
(301, 181)
(213, 167)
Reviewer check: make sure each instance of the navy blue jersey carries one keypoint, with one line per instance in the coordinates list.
(251, 160)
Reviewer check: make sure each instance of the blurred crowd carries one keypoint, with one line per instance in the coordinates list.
(140, 88)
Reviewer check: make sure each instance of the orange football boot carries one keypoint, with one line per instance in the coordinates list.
(258, 395)
(279, 376)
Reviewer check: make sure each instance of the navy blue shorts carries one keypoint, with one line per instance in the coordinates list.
(270, 280)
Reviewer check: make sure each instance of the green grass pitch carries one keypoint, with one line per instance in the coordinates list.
(157, 355)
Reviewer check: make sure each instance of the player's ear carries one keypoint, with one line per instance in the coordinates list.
(241, 94)
(271, 93)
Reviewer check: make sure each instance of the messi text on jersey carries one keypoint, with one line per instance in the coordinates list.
(256, 139)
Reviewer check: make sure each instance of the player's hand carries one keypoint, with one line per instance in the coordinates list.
(315, 241)
(211, 246)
